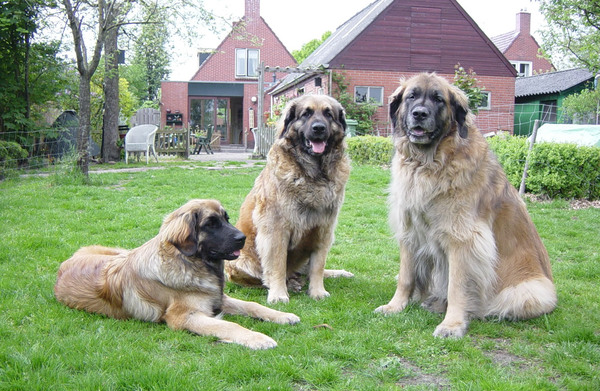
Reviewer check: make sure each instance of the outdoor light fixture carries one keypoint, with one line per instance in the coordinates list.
(253, 99)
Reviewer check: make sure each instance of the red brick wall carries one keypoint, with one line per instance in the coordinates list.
(499, 117)
(174, 97)
(525, 48)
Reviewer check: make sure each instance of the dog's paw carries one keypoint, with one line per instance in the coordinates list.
(456, 330)
(318, 294)
(389, 309)
(287, 318)
(275, 297)
(257, 341)
(346, 274)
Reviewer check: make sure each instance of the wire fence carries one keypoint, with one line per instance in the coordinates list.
(42, 148)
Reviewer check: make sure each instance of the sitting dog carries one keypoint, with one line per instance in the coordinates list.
(176, 277)
(467, 244)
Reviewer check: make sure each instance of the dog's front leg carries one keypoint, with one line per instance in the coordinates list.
(181, 317)
(240, 307)
(273, 258)
(316, 271)
(405, 286)
(456, 321)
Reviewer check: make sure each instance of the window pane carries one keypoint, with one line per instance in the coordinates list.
(485, 100)
(240, 62)
(252, 62)
(360, 94)
(376, 94)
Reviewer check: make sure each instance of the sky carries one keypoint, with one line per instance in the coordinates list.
(301, 22)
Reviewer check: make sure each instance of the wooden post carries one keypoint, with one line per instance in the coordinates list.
(533, 137)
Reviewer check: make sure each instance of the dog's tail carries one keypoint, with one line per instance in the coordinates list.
(529, 299)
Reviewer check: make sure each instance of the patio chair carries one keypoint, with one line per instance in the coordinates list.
(141, 139)
(204, 141)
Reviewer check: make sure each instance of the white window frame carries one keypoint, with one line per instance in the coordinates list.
(489, 101)
(244, 73)
(368, 97)
(517, 65)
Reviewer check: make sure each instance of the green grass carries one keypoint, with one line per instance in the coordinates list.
(45, 345)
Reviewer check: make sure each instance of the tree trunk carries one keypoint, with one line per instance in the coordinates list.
(110, 128)
(83, 136)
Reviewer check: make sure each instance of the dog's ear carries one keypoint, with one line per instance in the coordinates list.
(395, 101)
(342, 117)
(180, 229)
(289, 117)
(460, 107)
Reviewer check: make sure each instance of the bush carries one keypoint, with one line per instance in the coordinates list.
(555, 170)
(370, 150)
(10, 154)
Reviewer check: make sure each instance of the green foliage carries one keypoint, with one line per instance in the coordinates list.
(340, 344)
(565, 170)
(151, 60)
(555, 170)
(31, 72)
(584, 105)
(361, 112)
(10, 154)
(370, 150)
(511, 153)
(573, 32)
(467, 82)
(309, 47)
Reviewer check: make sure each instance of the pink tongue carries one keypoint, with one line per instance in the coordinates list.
(318, 146)
(236, 253)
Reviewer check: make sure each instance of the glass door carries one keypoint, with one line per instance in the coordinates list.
(210, 114)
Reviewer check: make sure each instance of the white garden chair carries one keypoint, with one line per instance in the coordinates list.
(141, 139)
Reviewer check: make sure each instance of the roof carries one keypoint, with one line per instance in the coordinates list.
(503, 41)
(551, 82)
(338, 41)
(330, 51)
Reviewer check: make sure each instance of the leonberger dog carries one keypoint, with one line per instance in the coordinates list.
(290, 214)
(176, 277)
(467, 244)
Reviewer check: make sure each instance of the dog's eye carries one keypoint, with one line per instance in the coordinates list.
(212, 223)
(410, 96)
(226, 217)
(439, 98)
(307, 114)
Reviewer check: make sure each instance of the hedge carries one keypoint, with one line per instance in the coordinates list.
(555, 170)
(10, 155)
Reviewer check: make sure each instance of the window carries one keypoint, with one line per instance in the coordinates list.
(523, 67)
(549, 111)
(486, 100)
(246, 62)
(368, 94)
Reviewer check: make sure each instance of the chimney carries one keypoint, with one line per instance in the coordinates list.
(252, 12)
(524, 22)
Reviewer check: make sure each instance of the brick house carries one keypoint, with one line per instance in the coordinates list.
(393, 39)
(521, 48)
(223, 92)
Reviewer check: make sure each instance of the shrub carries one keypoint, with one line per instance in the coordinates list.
(10, 154)
(555, 170)
(370, 150)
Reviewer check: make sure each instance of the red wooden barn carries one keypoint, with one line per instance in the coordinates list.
(392, 39)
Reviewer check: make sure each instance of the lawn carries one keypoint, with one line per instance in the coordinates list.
(340, 344)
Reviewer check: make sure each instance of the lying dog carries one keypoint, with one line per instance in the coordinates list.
(467, 244)
(176, 277)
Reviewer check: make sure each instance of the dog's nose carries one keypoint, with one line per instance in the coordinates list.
(420, 113)
(240, 238)
(318, 127)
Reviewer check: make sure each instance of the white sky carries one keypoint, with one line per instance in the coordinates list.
(296, 23)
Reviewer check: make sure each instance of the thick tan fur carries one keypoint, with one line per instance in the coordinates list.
(290, 214)
(176, 277)
(467, 244)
